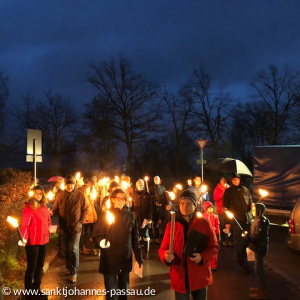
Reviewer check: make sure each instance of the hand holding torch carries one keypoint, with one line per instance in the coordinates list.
(231, 216)
(110, 219)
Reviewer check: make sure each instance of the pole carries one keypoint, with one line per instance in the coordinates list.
(34, 161)
(202, 165)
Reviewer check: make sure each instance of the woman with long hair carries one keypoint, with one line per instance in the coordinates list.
(35, 233)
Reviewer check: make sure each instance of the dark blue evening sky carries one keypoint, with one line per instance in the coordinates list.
(48, 44)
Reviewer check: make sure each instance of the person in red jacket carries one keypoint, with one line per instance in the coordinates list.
(189, 275)
(35, 233)
(218, 197)
(214, 221)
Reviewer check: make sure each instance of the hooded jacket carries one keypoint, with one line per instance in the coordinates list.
(218, 196)
(35, 223)
(214, 220)
(259, 234)
(123, 240)
(72, 209)
(185, 273)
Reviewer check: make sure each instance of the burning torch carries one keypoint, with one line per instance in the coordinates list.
(14, 223)
(110, 219)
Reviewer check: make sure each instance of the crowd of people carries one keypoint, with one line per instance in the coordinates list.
(140, 216)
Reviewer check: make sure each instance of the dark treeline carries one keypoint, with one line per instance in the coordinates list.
(133, 125)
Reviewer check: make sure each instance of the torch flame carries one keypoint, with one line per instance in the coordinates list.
(50, 196)
(12, 221)
(108, 204)
(189, 182)
(263, 193)
(229, 214)
(77, 176)
(30, 193)
(179, 186)
(107, 179)
(94, 194)
(117, 179)
(62, 186)
(199, 214)
(110, 217)
(103, 181)
(124, 185)
(172, 195)
(130, 199)
(146, 178)
(203, 188)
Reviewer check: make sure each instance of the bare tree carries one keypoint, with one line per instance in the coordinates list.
(98, 141)
(128, 99)
(179, 108)
(212, 111)
(278, 91)
(56, 118)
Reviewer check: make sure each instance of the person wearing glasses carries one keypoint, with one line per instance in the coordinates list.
(35, 233)
(116, 260)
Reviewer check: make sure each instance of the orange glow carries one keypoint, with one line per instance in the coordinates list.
(110, 217)
(108, 204)
(179, 186)
(199, 214)
(263, 193)
(12, 221)
(62, 186)
(94, 193)
(172, 195)
(203, 188)
(229, 214)
(124, 185)
(50, 196)
(77, 175)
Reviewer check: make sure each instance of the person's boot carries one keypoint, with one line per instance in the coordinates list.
(147, 248)
(85, 251)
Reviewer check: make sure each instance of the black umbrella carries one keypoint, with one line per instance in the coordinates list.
(229, 165)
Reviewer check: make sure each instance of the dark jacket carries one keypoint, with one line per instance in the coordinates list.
(142, 206)
(123, 239)
(72, 209)
(238, 200)
(259, 234)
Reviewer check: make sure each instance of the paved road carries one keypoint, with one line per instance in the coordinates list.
(282, 268)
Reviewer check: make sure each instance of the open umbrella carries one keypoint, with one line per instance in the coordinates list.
(55, 178)
(229, 165)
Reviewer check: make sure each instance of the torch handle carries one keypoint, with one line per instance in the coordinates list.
(172, 231)
(19, 233)
(108, 235)
(238, 224)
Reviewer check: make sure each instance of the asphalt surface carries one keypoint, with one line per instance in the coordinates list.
(282, 271)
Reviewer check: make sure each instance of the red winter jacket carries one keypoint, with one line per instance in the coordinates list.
(218, 196)
(199, 275)
(35, 225)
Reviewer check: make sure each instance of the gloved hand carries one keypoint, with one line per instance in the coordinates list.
(245, 234)
(22, 243)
